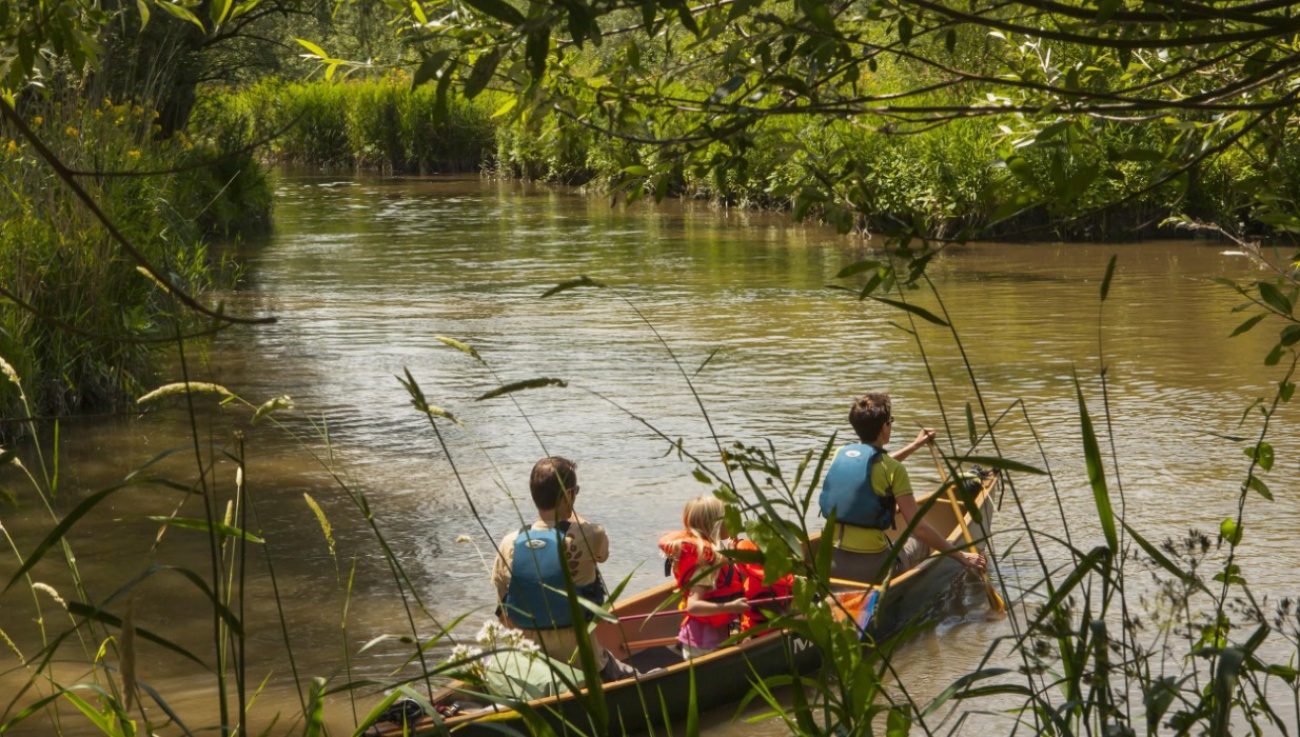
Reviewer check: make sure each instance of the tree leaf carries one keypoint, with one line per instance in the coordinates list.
(1274, 298)
(429, 68)
(1290, 335)
(857, 268)
(1260, 487)
(313, 48)
(1247, 325)
(183, 13)
(581, 281)
(920, 312)
(481, 73)
(520, 386)
(499, 9)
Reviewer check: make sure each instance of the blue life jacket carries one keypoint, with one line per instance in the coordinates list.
(535, 598)
(847, 491)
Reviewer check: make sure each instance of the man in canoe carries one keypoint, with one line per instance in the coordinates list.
(865, 486)
(529, 571)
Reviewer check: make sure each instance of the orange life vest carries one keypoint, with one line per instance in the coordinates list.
(690, 560)
(756, 591)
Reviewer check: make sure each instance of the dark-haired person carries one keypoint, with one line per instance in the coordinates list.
(529, 569)
(865, 486)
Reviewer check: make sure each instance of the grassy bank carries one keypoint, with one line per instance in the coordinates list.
(85, 336)
(381, 125)
(950, 181)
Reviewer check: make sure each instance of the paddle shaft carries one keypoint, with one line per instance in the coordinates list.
(670, 612)
(960, 513)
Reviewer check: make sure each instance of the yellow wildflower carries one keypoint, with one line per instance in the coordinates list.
(71, 131)
(12, 147)
(133, 153)
(37, 120)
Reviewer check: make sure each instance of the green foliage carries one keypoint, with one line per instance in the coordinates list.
(380, 124)
(83, 341)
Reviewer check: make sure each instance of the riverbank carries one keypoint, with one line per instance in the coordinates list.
(948, 182)
(84, 338)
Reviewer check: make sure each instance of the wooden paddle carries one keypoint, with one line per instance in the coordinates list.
(995, 600)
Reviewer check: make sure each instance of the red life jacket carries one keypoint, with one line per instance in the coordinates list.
(690, 560)
(756, 591)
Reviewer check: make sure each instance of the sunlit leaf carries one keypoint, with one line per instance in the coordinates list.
(1262, 454)
(272, 406)
(316, 51)
(462, 347)
(1230, 531)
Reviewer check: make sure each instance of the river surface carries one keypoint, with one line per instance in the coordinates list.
(364, 274)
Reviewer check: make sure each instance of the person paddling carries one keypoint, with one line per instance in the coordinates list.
(865, 486)
(529, 576)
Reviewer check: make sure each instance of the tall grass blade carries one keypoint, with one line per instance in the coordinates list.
(188, 523)
(1096, 472)
(1110, 273)
(315, 709)
(79, 609)
(166, 708)
(127, 658)
(518, 386)
(462, 347)
(56, 535)
(1226, 675)
(1003, 464)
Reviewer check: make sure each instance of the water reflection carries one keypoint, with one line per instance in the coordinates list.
(364, 274)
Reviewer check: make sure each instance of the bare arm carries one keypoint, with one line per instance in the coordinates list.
(925, 436)
(699, 606)
(930, 536)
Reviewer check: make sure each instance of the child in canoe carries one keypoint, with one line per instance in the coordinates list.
(712, 590)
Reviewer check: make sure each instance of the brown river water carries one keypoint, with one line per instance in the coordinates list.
(362, 274)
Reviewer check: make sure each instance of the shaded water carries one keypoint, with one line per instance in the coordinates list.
(363, 274)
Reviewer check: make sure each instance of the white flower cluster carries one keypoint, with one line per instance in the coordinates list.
(491, 636)
(496, 636)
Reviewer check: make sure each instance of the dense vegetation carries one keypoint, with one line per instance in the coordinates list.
(80, 321)
(881, 115)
